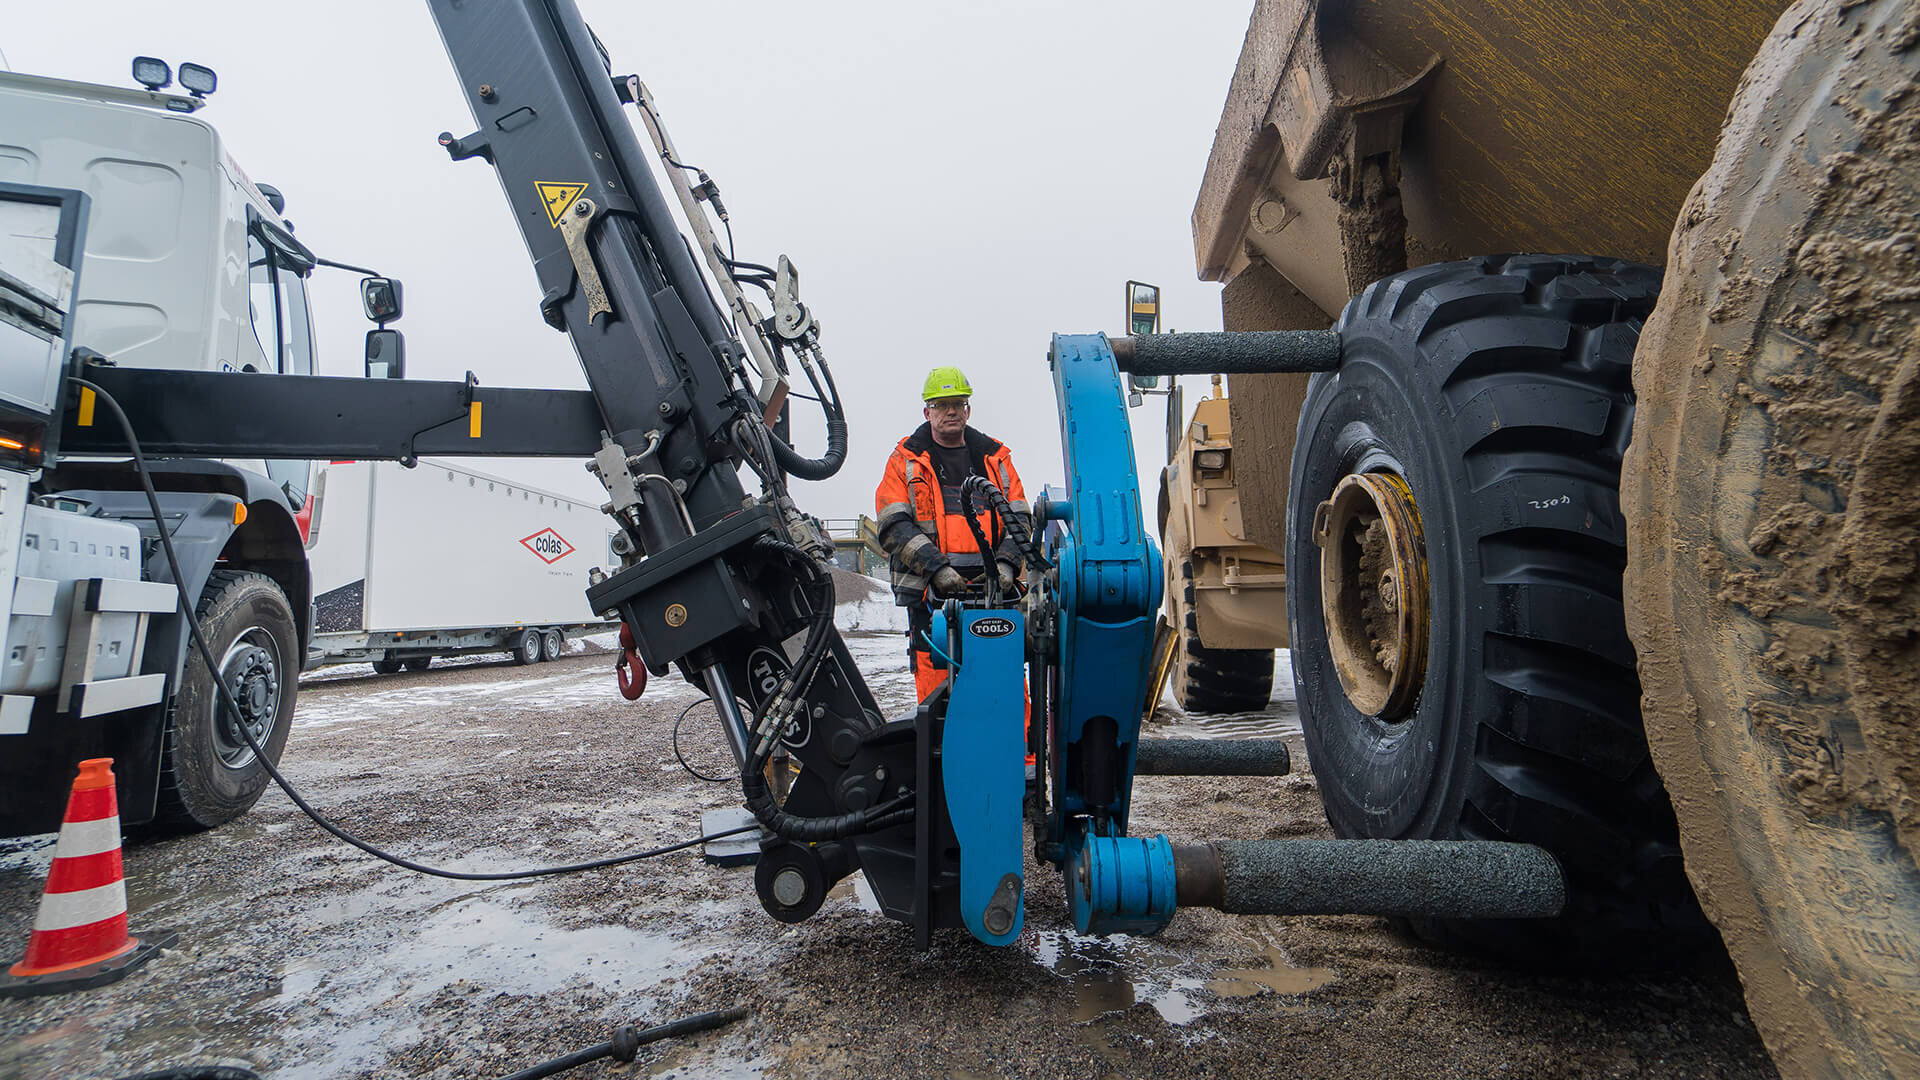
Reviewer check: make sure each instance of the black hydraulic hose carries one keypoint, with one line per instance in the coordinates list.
(627, 1041)
(814, 830)
(1013, 521)
(973, 523)
(226, 701)
(819, 468)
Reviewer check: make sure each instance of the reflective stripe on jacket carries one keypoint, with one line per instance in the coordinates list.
(917, 529)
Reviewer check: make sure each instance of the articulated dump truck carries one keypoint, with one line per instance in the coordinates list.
(1603, 534)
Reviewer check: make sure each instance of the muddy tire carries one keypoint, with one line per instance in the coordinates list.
(387, 666)
(1772, 583)
(208, 773)
(1496, 391)
(1204, 680)
(1216, 680)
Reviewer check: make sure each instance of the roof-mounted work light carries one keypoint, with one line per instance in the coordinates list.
(198, 79)
(152, 72)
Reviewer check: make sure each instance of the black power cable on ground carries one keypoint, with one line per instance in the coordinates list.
(627, 1041)
(233, 709)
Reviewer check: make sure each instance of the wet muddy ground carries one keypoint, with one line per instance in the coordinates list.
(301, 958)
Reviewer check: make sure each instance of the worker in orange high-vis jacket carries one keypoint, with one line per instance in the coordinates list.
(931, 552)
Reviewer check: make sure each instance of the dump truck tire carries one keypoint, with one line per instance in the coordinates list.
(1203, 680)
(1494, 394)
(1216, 680)
(208, 774)
(1773, 593)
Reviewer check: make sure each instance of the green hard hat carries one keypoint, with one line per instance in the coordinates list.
(946, 381)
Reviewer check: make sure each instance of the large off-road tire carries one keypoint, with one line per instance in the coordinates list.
(1773, 534)
(1204, 680)
(1216, 680)
(1487, 403)
(209, 775)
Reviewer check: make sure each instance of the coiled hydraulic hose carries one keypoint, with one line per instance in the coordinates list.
(819, 468)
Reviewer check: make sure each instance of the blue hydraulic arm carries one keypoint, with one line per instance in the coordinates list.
(1108, 590)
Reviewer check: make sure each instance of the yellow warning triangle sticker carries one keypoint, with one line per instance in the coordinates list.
(558, 196)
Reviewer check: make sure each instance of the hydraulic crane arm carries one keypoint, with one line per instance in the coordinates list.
(729, 584)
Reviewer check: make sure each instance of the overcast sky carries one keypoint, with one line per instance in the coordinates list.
(954, 182)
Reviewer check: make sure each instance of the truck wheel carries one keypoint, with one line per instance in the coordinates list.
(526, 648)
(208, 774)
(1459, 649)
(418, 663)
(1216, 680)
(387, 666)
(1204, 680)
(551, 643)
(1772, 583)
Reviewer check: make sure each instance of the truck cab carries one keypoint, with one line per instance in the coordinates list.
(186, 264)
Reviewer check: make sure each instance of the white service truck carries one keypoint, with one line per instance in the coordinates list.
(129, 236)
(441, 560)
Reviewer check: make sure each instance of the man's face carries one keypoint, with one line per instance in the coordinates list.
(948, 417)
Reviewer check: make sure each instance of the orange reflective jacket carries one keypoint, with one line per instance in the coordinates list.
(918, 530)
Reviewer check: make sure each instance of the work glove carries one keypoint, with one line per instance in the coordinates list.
(948, 582)
(1009, 577)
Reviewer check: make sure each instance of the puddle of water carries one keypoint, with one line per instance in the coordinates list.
(355, 1003)
(1278, 977)
(1110, 975)
(856, 890)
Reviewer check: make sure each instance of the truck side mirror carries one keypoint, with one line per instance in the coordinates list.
(380, 296)
(1143, 308)
(386, 355)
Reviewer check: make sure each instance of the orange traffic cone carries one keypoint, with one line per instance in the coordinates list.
(80, 936)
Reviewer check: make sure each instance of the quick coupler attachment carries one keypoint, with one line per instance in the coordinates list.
(1439, 879)
(1212, 757)
(1242, 352)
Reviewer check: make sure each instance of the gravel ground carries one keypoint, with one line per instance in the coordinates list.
(299, 957)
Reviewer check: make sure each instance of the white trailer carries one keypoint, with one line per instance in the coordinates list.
(441, 560)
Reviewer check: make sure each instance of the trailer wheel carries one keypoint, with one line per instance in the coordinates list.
(209, 775)
(387, 666)
(526, 648)
(1773, 587)
(551, 643)
(418, 663)
(1459, 647)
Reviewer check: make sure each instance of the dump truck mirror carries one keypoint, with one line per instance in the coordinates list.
(386, 355)
(380, 296)
(1143, 308)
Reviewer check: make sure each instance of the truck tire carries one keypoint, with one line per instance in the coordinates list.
(418, 663)
(1480, 411)
(208, 773)
(1204, 680)
(526, 647)
(1772, 589)
(1216, 680)
(387, 666)
(551, 644)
